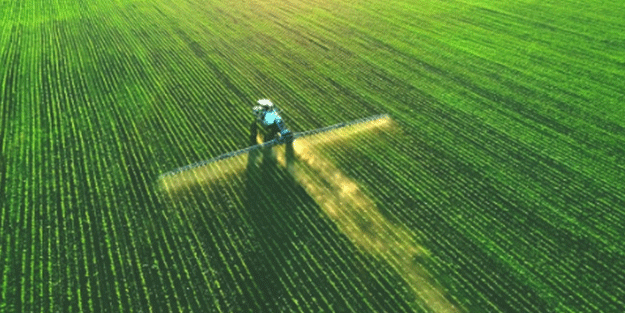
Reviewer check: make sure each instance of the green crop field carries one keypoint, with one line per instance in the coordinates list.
(497, 184)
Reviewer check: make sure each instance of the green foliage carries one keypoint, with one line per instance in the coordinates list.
(508, 163)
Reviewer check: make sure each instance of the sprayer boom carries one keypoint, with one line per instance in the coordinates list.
(273, 143)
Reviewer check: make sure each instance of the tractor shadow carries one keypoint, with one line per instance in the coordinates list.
(270, 245)
(269, 208)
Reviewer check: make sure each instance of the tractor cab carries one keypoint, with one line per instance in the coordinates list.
(269, 118)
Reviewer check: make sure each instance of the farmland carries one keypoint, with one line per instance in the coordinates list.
(496, 185)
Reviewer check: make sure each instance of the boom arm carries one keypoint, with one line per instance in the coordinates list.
(272, 143)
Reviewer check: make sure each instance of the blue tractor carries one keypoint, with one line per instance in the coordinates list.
(267, 115)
